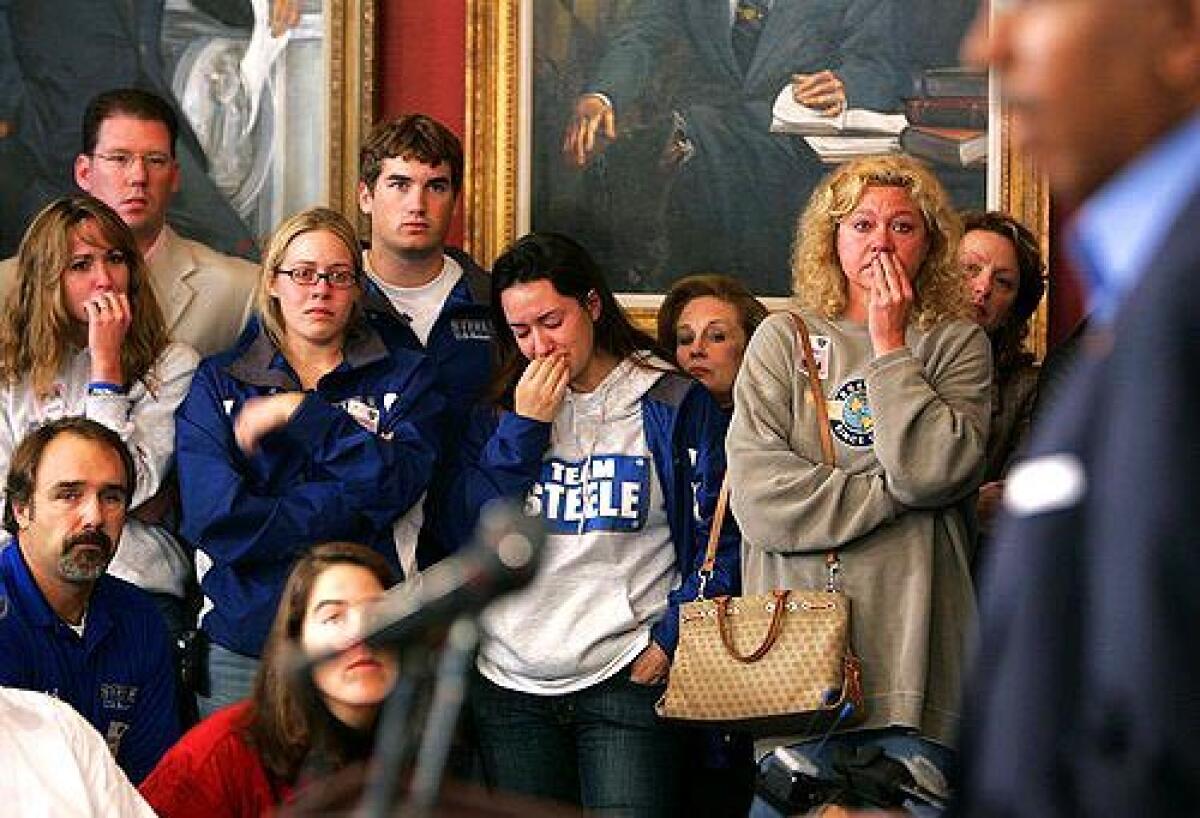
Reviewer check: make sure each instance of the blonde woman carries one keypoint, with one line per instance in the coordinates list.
(906, 381)
(311, 429)
(82, 334)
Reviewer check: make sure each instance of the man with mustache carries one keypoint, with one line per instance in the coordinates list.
(66, 627)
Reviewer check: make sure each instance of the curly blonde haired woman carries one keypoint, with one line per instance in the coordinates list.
(905, 380)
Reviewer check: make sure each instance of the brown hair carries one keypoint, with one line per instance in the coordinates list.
(27, 457)
(411, 136)
(750, 310)
(284, 711)
(817, 276)
(314, 219)
(573, 273)
(1008, 340)
(131, 102)
(37, 331)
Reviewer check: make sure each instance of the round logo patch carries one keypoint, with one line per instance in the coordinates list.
(850, 414)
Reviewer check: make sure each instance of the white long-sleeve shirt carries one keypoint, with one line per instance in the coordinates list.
(147, 556)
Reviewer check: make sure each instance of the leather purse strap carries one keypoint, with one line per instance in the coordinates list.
(773, 631)
(813, 373)
(714, 532)
(827, 450)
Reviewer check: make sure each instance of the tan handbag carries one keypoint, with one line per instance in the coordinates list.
(771, 664)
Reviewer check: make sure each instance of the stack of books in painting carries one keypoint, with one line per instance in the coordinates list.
(948, 117)
(853, 133)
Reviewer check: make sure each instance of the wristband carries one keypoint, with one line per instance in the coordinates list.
(105, 388)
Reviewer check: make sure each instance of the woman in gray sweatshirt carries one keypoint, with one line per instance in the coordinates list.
(906, 382)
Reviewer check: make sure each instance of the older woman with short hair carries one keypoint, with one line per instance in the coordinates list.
(905, 379)
(706, 321)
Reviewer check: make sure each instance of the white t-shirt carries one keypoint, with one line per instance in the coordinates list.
(56, 764)
(422, 305)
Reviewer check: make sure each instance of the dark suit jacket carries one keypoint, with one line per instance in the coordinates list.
(856, 39)
(1086, 696)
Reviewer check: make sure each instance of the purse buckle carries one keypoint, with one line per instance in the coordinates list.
(833, 567)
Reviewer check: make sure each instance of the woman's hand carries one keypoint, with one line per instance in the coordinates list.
(261, 416)
(540, 391)
(651, 667)
(891, 301)
(109, 317)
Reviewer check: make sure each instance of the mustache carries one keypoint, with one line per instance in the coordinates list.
(94, 537)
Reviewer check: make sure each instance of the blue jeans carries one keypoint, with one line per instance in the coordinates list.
(898, 743)
(230, 679)
(602, 748)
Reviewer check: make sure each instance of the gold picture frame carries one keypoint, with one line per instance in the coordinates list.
(497, 140)
(351, 27)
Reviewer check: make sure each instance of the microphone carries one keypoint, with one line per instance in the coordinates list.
(503, 556)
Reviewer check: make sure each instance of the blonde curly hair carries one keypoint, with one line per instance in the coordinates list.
(818, 281)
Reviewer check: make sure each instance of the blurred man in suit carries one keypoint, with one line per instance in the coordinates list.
(1085, 698)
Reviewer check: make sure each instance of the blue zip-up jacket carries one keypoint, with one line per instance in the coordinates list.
(119, 675)
(461, 348)
(502, 457)
(323, 476)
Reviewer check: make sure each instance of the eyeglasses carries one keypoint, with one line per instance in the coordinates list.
(340, 278)
(124, 159)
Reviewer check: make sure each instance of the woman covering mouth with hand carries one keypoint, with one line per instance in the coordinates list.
(617, 452)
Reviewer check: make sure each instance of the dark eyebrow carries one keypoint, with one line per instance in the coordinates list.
(82, 484)
(69, 484)
(325, 603)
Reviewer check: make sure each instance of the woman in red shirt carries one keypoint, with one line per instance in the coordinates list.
(251, 757)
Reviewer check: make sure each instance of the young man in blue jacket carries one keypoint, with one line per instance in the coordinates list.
(66, 627)
(434, 298)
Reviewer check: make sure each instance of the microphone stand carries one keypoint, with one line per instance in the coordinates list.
(449, 692)
(393, 739)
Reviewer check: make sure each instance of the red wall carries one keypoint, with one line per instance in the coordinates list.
(421, 66)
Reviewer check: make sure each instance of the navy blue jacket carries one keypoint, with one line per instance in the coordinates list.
(502, 457)
(460, 346)
(119, 676)
(323, 476)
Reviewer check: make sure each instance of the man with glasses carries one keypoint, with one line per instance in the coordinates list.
(129, 163)
(54, 57)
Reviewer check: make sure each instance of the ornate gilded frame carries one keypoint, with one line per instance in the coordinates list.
(497, 87)
(350, 29)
